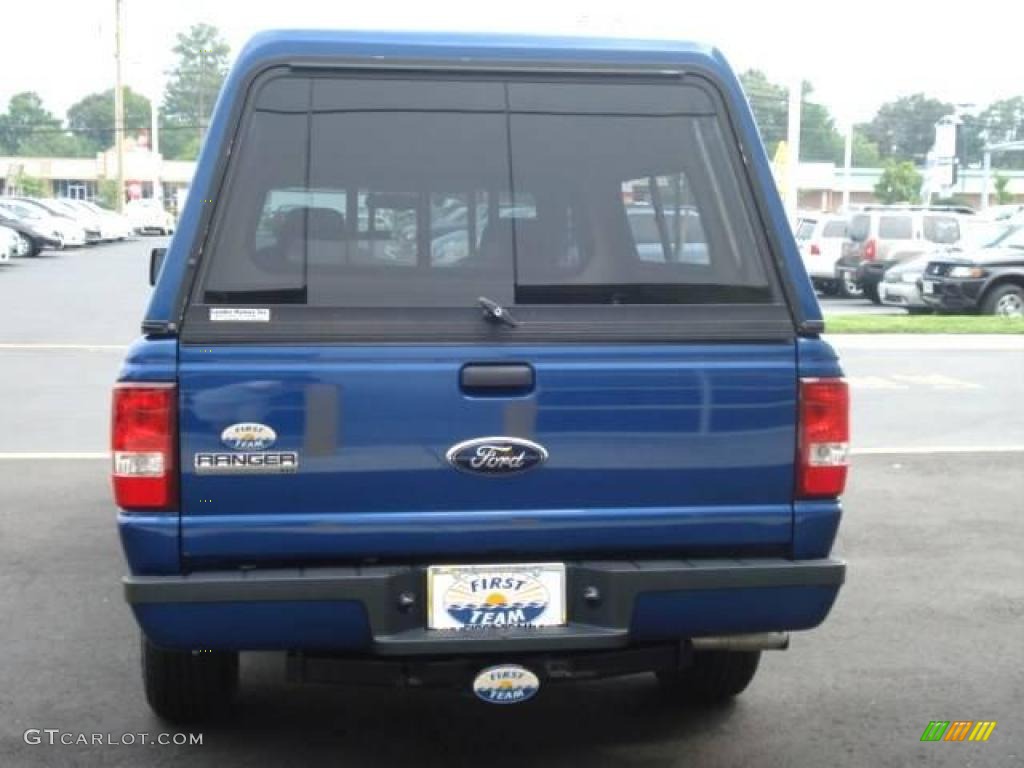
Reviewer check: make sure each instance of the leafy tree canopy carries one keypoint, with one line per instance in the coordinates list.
(92, 118)
(192, 89)
(27, 128)
(900, 183)
(904, 129)
(820, 139)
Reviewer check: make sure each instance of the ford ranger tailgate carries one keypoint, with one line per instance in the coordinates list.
(471, 316)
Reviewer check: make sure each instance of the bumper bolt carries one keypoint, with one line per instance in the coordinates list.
(592, 594)
(406, 600)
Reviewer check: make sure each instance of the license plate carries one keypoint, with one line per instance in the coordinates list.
(927, 286)
(467, 597)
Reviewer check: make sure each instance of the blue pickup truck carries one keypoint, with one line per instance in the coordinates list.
(486, 362)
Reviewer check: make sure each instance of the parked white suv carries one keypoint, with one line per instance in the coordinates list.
(882, 236)
(821, 237)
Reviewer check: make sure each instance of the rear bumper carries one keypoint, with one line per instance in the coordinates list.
(359, 609)
(900, 294)
(870, 273)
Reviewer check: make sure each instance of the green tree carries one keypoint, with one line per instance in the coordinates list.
(192, 88)
(1003, 194)
(31, 186)
(904, 129)
(768, 102)
(1001, 121)
(29, 129)
(900, 183)
(820, 141)
(92, 118)
(865, 151)
(106, 191)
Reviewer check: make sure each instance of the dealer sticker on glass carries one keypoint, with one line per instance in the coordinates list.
(496, 596)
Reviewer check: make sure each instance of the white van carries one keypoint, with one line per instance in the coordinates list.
(821, 237)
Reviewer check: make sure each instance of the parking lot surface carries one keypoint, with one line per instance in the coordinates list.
(929, 626)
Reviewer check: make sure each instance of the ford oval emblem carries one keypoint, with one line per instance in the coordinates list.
(496, 455)
(506, 684)
(248, 436)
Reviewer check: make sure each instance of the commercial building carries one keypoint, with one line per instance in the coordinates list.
(80, 177)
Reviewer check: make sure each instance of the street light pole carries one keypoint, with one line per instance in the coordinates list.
(986, 177)
(847, 165)
(118, 106)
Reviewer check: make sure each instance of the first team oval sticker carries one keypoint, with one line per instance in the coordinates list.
(506, 684)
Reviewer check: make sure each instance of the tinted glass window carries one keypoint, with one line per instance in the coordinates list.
(805, 229)
(834, 229)
(860, 227)
(359, 197)
(389, 192)
(1013, 239)
(895, 227)
(941, 229)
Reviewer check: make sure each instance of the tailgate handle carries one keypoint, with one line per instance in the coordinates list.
(496, 378)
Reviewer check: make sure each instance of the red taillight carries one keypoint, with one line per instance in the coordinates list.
(815, 250)
(143, 445)
(870, 250)
(824, 438)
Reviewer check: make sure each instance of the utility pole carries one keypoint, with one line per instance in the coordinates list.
(154, 148)
(118, 106)
(847, 165)
(796, 94)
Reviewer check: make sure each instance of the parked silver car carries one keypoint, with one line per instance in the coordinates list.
(899, 286)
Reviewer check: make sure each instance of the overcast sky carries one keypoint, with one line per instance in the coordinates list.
(857, 53)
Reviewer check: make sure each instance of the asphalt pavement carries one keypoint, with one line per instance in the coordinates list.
(930, 625)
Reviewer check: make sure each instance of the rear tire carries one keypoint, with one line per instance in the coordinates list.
(714, 677)
(1005, 300)
(29, 246)
(828, 287)
(848, 288)
(188, 686)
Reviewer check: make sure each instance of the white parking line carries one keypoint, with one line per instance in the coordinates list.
(943, 342)
(934, 381)
(45, 456)
(60, 347)
(933, 449)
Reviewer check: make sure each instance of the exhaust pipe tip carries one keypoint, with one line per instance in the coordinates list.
(760, 641)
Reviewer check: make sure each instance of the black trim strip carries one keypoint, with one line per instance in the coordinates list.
(535, 323)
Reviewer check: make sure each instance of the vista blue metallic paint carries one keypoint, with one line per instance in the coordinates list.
(674, 450)
(635, 435)
(152, 543)
(210, 540)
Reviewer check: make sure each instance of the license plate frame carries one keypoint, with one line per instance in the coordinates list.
(928, 287)
(470, 597)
